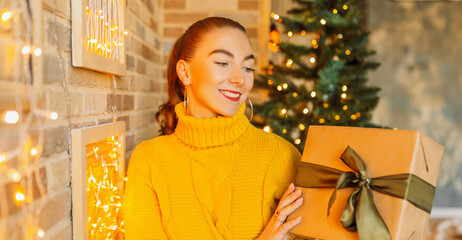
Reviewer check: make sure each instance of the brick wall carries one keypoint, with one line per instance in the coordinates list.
(92, 98)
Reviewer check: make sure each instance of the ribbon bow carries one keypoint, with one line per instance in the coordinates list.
(360, 213)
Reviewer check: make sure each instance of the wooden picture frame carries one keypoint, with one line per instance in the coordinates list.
(98, 35)
(110, 136)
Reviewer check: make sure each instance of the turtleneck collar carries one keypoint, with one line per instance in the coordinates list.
(209, 132)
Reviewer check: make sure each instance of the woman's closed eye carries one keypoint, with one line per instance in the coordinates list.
(226, 64)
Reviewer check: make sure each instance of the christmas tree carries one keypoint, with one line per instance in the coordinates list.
(321, 79)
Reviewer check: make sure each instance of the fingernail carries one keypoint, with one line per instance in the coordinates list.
(299, 191)
(299, 218)
(292, 186)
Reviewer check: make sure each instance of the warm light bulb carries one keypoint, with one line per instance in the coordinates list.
(323, 21)
(284, 131)
(289, 63)
(347, 52)
(305, 111)
(337, 117)
(301, 126)
(335, 58)
(345, 7)
(125, 32)
(37, 52)
(345, 107)
(334, 11)
(285, 85)
(340, 36)
(270, 82)
(344, 88)
(40, 233)
(314, 42)
(20, 196)
(25, 50)
(11, 117)
(343, 95)
(322, 120)
(295, 94)
(3, 157)
(6, 15)
(279, 88)
(297, 141)
(303, 32)
(325, 105)
(53, 116)
(33, 151)
(313, 94)
(283, 111)
(276, 17)
(353, 117)
(290, 33)
(267, 128)
(312, 59)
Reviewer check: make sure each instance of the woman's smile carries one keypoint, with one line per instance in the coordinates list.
(231, 95)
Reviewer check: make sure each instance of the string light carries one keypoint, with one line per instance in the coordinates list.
(283, 111)
(335, 58)
(314, 42)
(313, 94)
(303, 32)
(294, 94)
(305, 111)
(279, 87)
(14, 175)
(301, 126)
(297, 141)
(322, 120)
(40, 233)
(353, 117)
(270, 82)
(345, 107)
(344, 88)
(6, 15)
(3, 157)
(285, 85)
(334, 11)
(343, 95)
(284, 131)
(25, 50)
(337, 117)
(289, 62)
(267, 128)
(275, 16)
(11, 117)
(345, 7)
(290, 33)
(33, 151)
(38, 52)
(20, 196)
(347, 52)
(325, 105)
(312, 59)
(340, 36)
(323, 21)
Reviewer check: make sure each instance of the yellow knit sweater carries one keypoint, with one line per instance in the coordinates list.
(214, 178)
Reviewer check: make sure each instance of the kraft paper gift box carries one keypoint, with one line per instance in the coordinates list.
(410, 156)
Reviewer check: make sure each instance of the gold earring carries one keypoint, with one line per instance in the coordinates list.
(185, 100)
(251, 111)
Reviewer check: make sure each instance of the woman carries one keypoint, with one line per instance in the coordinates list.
(211, 174)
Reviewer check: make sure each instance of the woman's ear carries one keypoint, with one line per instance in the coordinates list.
(182, 70)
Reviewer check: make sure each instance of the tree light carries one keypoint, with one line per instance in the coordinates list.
(33, 151)
(289, 63)
(11, 117)
(345, 7)
(279, 88)
(40, 233)
(297, 141)
(3, 157)
(284, 131)
(322, 120)
(313, 94)
(275, 16)
(314, 42)
(305, 111)
(6, 15)
(53, 116)
(323, 21)
(345, 107)
(337, 117)
(267, 128)
(343, 95)
(334, 11)
(285, 85)
(344, 88)
(14, 175)
(37, 52)
(312, 59)
(290, 33)
(347, 52)
(301, 126)
(20, 196)
(283, 111)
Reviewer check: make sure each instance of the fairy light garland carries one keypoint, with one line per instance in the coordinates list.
(104, 189)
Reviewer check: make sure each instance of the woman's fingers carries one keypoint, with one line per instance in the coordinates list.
(289, 199)
(285, 211)
(290, 189)
(289, 225)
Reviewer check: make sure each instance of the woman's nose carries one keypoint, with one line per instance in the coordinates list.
(237, 75)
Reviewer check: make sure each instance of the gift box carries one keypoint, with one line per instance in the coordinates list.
(366, 183)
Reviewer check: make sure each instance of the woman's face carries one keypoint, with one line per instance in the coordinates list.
(220, 75)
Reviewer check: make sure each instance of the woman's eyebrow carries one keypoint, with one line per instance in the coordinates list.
(251, 56)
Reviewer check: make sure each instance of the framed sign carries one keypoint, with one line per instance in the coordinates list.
(98, 35)
(98, 177)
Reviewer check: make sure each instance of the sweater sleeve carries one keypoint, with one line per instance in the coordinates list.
(281, 172)
(142, 214)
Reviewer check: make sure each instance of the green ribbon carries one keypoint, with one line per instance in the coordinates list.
(360, 213)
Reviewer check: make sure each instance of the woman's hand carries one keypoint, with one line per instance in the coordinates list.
(277, 228)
